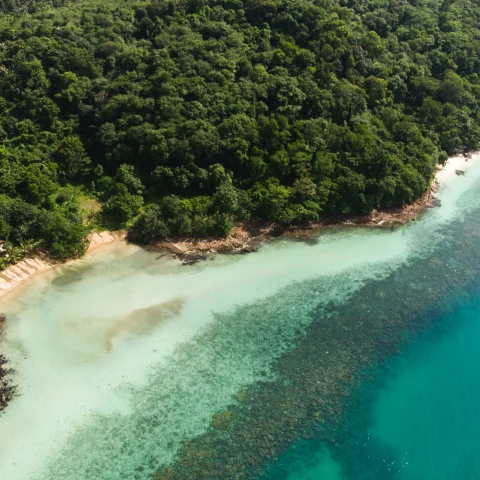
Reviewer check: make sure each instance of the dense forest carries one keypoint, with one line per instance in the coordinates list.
(183, 117)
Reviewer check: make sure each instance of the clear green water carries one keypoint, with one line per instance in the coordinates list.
(125, 355)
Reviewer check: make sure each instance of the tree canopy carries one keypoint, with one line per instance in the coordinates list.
(182, 117)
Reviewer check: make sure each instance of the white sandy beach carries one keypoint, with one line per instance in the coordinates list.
(19, 273)
(454, 164)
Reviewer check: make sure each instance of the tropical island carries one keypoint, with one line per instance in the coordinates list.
(184, 118)
(198, 127)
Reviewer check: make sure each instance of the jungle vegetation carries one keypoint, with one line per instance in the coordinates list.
(183, 117)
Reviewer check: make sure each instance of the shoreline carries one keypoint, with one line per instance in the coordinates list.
(7, 389)
(247, 237)
(16, 275)
(240, 241)
(317, 380)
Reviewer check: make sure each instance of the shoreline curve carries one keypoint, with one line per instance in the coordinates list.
(192, 250)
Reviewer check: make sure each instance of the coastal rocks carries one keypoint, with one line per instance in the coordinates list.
(193, 250)
(246, 237)
(191, 261)
(192, 258)
(248, 249)
(195, 257)
(7, 390)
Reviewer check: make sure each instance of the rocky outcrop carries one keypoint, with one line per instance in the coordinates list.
(243, 239)
(7, 390)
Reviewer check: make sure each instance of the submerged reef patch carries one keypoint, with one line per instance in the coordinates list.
(314, 382)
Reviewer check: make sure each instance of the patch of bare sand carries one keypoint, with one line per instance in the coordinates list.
(17, 274)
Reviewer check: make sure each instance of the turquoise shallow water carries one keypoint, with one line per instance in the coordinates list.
(129, 364)
(418, 419)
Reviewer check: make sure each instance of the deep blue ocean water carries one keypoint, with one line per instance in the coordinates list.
(419, 418)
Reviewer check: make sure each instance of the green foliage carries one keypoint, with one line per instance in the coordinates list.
(150, 225)
(212, 112)
(64, 233)
(122, 205)
(58, 228)
(71, 157)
